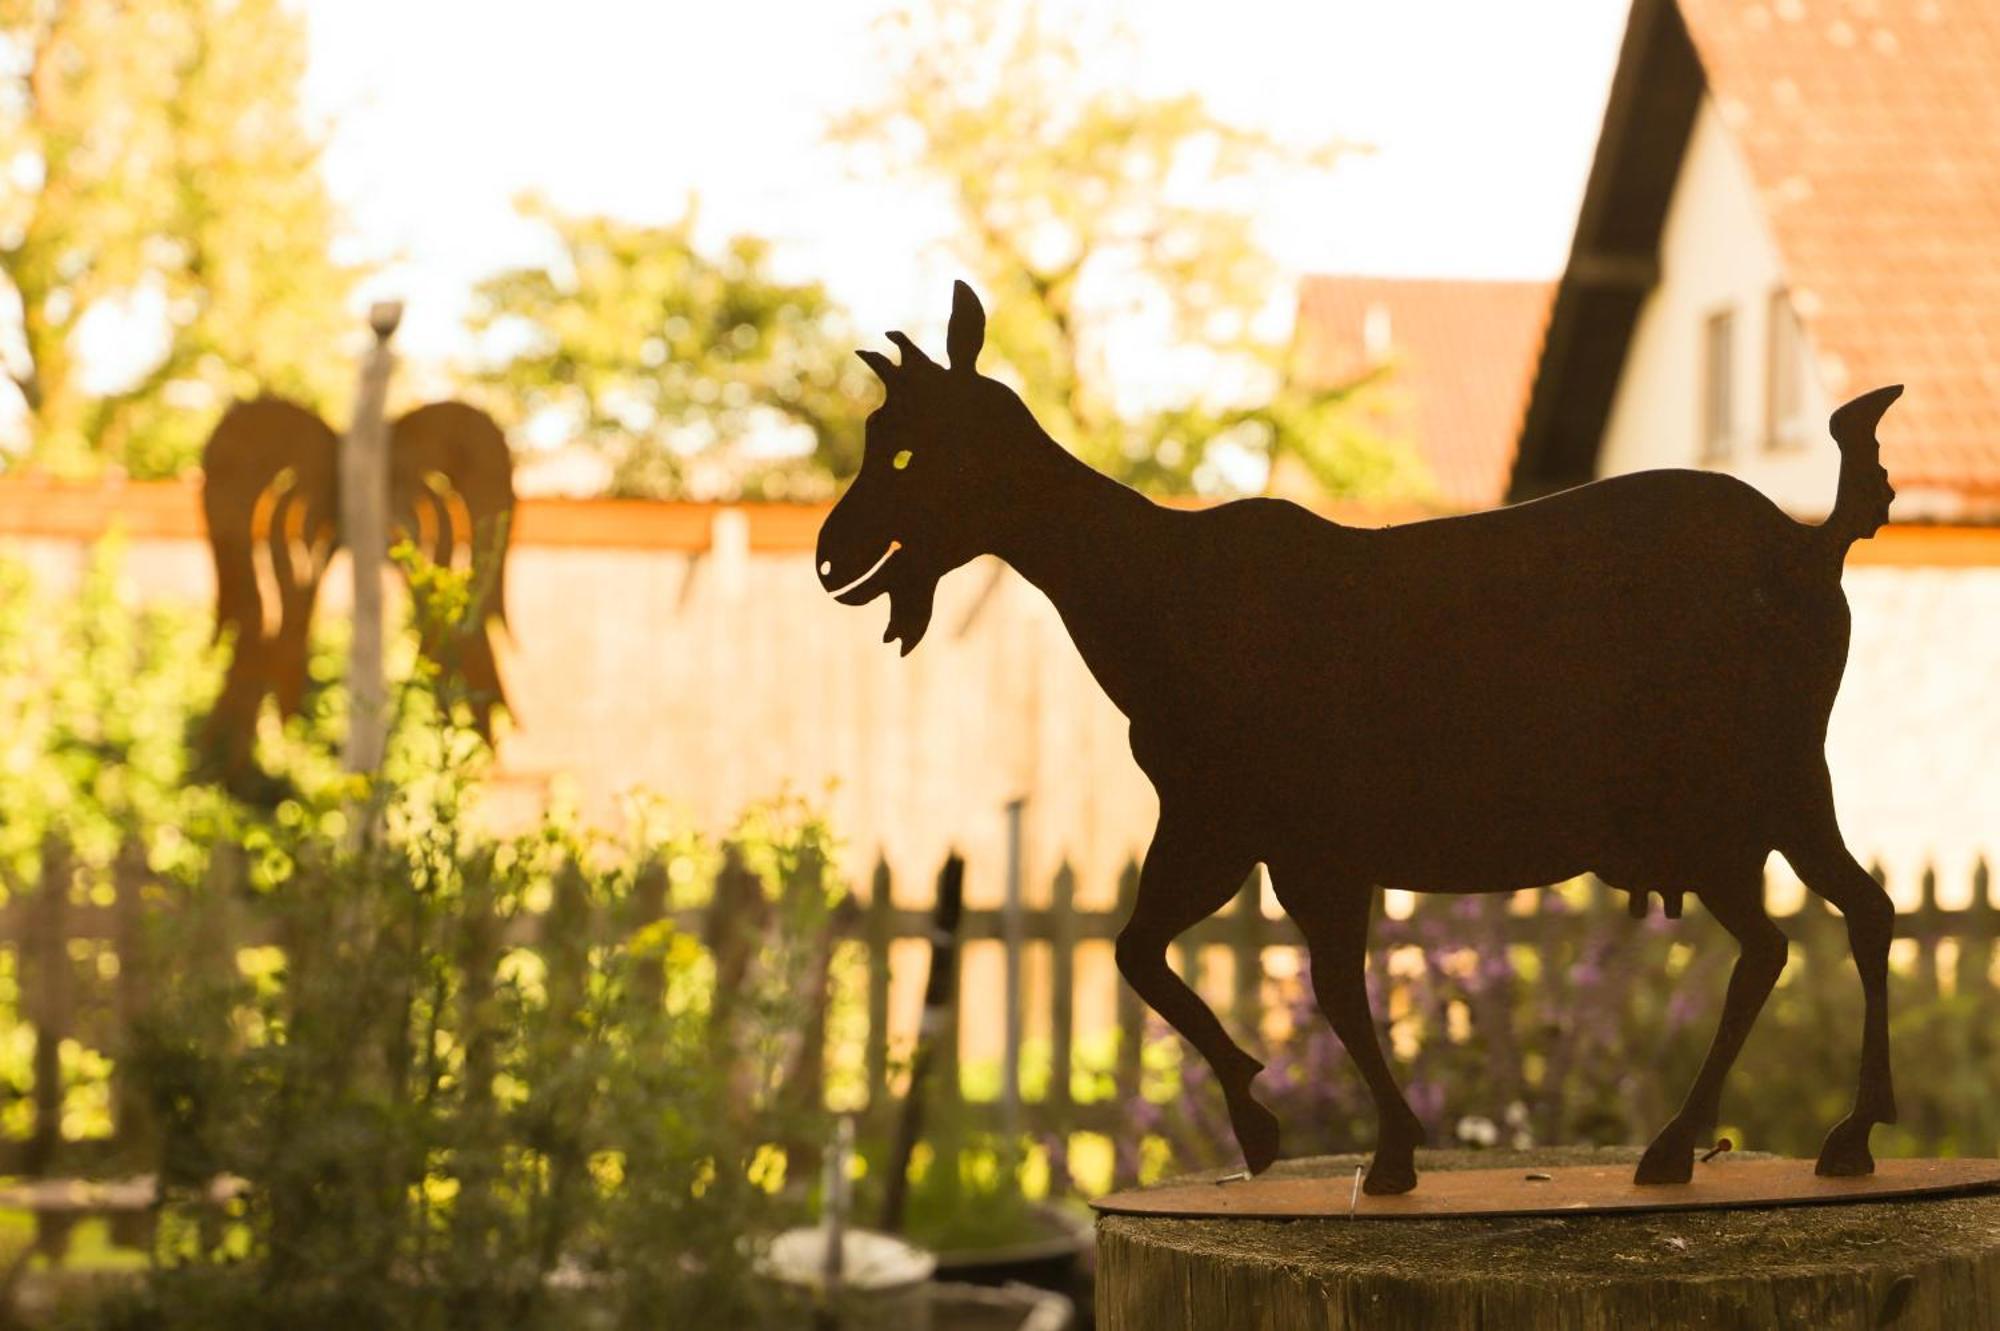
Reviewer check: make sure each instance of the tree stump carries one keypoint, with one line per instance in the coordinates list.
(1906, 1265)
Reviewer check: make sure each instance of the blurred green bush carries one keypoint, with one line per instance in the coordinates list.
(449, 1077)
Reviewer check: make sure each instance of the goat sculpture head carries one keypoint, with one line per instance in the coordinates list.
(935, 475)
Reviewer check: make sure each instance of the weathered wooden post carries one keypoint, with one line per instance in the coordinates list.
(364, 528)
(1917, 1262)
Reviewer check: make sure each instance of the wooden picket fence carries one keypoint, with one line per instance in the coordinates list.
(1246, 930)
(80, 976)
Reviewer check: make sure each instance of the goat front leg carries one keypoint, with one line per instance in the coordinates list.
(1737, 903)
(1185, 879)
(1334, 918)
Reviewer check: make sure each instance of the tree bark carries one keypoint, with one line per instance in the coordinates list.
(1896, 1264)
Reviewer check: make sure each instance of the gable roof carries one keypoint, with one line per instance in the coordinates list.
(1868, 128)
(1459, 355)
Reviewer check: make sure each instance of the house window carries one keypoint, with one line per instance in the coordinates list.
(1785, 371)
(1718, 386)
(1376, 333)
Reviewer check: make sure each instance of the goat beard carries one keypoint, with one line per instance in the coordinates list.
(911, 587)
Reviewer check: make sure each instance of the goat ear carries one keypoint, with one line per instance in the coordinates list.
(967, 333)
(885, 369)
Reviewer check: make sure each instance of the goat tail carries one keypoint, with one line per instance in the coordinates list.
(1861, 504)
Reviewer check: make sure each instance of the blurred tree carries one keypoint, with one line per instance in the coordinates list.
(1084, 205)
(164, 228)
(689, 372)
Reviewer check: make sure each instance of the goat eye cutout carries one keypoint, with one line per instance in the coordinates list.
(901, 460)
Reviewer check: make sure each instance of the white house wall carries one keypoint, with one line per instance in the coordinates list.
(1716, 252)
(1914, 733)
(1916, 729)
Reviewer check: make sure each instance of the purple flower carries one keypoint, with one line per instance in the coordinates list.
(1426, 1099)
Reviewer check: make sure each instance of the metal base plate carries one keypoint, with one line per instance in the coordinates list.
(1556, 1190)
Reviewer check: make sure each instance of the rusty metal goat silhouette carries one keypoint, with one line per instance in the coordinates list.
(1631, 679)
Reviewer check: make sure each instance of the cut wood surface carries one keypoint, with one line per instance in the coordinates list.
(1728, 1181)
(1885, 1264)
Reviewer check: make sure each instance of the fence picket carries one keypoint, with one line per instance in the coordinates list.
(1013, 942)
(1975, 938)
(805, 1078)
(734, 920)
(879, 937)
(1925, 929)
(49, 999)
(132, 1122)
(1129, 1068)
(1062, 1011)
(649, 905)
(1248, 931)
(1131, 1015)
(1560, 998)
(479, 943)
(134, 988)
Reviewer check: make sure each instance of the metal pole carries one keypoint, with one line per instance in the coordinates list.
(364, 530)
(835, 1199)
(940, 1013)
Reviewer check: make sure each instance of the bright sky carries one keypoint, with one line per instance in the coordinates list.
(1483, 116)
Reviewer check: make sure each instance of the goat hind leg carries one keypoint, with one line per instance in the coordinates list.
(1737, 903)
(1829, 869)
(1183, 882)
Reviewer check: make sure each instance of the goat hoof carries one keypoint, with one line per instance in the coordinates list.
(1256, 1132)
(1670, 1159)
(1845, 1154)
(1388, 1177)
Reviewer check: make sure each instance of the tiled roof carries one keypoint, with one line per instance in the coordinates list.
(1459, 355)
(1872, 132)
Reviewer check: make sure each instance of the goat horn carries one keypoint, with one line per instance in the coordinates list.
(912, 353)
